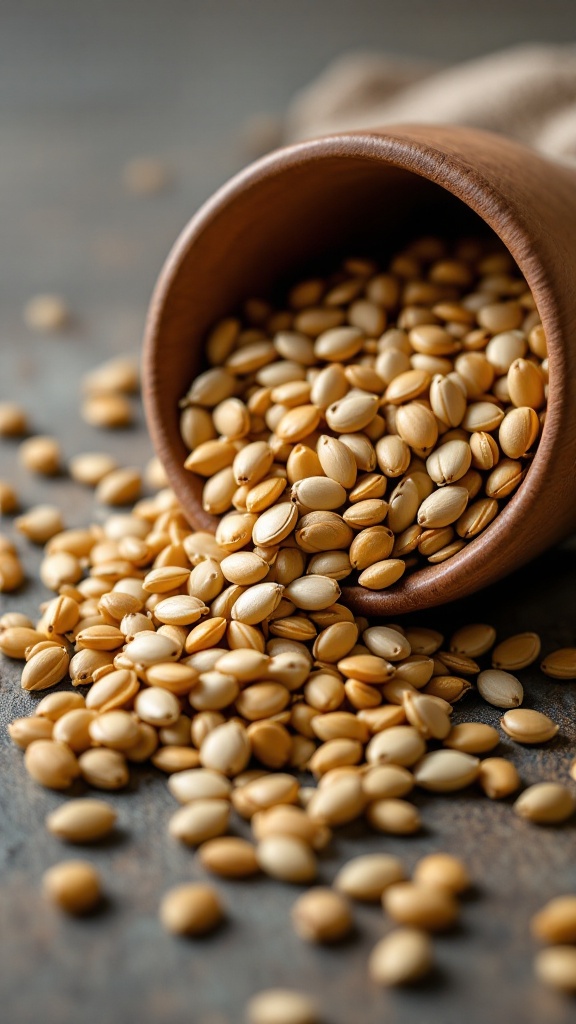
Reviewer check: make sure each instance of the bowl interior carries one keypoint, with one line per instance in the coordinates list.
(295, 212)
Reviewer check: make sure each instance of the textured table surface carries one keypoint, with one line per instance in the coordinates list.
(85, 89)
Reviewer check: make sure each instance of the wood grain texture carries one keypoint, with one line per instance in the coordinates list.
(344, 193)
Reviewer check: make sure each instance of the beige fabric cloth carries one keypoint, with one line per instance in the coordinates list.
(528, 92)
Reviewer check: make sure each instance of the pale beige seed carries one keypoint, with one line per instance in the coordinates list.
(54, 705)
(449, 462)
(482, 416)
(401, 744)
(200, 820)
(251, 464)
(116, 729)
(444, 771)
(499, 688)
(527, 726)
(199, 784)
(82, 821)
(518, 431)
(226, 749)
(73, 885)
(386, 780)
(119, 487)
(267, 791)
(157, 706)
(119, 375)
(149, 648)
(338, 344)
(341, 802)
(401, 958)
(85, 663)
(340, 724)
(51, 764)
(196, 427)
(23, 731)
(107, 411)
(218, 492)
(275, 524)
(419, 906)
(257, 603)
(335, 564)
(498, 777)
(337, 461)
(352, 413)
(318, 493)
(365, 878)
(13, 420)
(281, 1006)
(313, 592)
(504, 348)
(322, 915)
(386, 642)
(245, 665)
(485, 451)
(180, 610)
(193, 908)
(556, 967)
(211, 387)
(556, 921)
(382, 574)
(287, 858)
(443, 507)
(394, 817)
(45, 669)
(473, 640)
(442, 871)
(229, 857)
(329, 386)
(40, 523)
(427, 715)
(104, 768)
(41, 454)
(406, 386)
(546, 803)
(73, 729)
(560, 664)
(448, 399)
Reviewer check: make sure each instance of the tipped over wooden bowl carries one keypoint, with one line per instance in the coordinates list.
(343, 194)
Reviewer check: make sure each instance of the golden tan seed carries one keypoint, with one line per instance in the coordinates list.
(322, 915)
(382, 574)
(546, 803)
(13, 420)
(281, 1006)
(443, 771)
(72, 729)
(525, 384)
(287, 858)
(173, 758)
(16, 640)
(417, 425)
(560, 664)
(498, 777)
(45, 669)
(40, 523)
(504, 478)
(9, 501)
(442, 871)
(51, 764)
(518, 431)
(473, 640)
(191, 909)
(472, 738)
(116, 729)
(41, 454)
(419, 906)
(11, 572)
(516, 652)
(199, 784)
(82, 821)
(556, 967)
(103, 768)
(211, 387)
(229, 856)
(100, 638)
(403, 957)
(527, 726)
(501, 689)
(73, 885)
(365, 878)
(393, 816)
(338, 344)
(319, 493)
(386, 780)
(23, 731)
(556, 921)
(337, 461)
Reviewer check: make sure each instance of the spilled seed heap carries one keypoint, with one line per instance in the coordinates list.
(376, 421)
(228, 661)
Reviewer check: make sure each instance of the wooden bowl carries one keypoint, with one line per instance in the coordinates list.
(364, 192)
